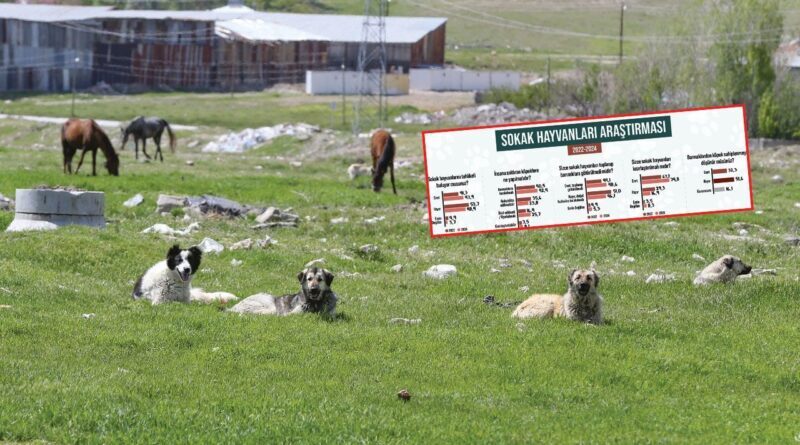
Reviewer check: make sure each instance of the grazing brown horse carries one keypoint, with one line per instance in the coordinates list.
(86, 135)
(382, 148)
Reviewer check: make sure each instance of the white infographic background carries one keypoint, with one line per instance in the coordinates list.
(702, 168)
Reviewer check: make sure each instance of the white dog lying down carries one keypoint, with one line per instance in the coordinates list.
(171, 280)
(315, 296)
(356, 170)
(723, 270)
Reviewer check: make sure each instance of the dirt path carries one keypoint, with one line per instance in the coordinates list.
(102, 122)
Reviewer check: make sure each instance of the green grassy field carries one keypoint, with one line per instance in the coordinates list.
(673, 364)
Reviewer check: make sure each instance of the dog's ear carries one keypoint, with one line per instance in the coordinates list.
(569, 277)
(728, 261)
(301, 276)
(328, 277)
(596, 278)
(195, 255)
(174, 251)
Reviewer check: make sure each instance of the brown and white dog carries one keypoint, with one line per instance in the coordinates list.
(581, 302)
(315, 296)
(723, 270)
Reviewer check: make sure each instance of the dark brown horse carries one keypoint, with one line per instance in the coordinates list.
(382, 148)
(148, 127)
(86, 135)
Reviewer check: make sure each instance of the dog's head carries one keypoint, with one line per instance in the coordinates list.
(184, 262)
(735, 264)
(583, 282)
(315, 282)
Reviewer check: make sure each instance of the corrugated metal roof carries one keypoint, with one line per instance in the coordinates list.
(50, 13)
(332, 27)
(261, 31)
(348, 28)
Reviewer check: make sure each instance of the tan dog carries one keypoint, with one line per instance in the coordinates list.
(723, 270)
(581, 302)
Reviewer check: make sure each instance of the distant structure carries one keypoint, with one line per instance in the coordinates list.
(788, 56)
(56, 48)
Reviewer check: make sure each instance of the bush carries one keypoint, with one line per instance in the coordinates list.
(779, 113)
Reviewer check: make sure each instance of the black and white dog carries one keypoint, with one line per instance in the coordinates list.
(171, 280)
(315, 296)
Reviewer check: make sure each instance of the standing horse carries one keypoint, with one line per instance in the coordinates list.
(148, 127)
(382, 148)
(86, 135)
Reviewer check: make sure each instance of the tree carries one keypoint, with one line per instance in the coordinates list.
(746, 35)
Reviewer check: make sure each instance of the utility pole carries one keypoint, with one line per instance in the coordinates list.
(74, 75)
(344, 101)
(547, 113)
(372, 66)
(621, 27)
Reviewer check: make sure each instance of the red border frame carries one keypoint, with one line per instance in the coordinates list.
(519, 124)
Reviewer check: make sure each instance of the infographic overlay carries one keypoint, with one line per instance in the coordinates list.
(588, 170)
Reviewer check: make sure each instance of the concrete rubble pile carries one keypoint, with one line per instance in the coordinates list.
(239, 142)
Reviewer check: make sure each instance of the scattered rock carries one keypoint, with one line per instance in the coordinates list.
(238, 142)
(526, 263)
(5, 306)
(397, 268)
(441, 271)
(374, 220)
(405, 321)
(340, 220)
(314, 262)
(208, 205)
(493, 270)
(166, 203)
(164, 229)
(369, 248)
(504, 263)
(792, 240)
(743, 232)
(236, 263)
(671, 224)
(630, 273)
(413, 250)
(627, 259)
(271, 225)
(524, 289)
(797, 204)
(193, 144)
(209, 245)
(266, 242)
(697, 257)
(190, 163)
(404, 395)
(134, 201)
(345, 274)
(522, 327)
(245, 244)
(88, 316)
(6, 203)
(274, 215)
(660, 277)
(777, 179)
(296, 164)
